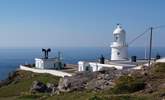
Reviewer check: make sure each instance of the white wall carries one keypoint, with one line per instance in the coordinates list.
(96, 66)
(119, 46)
(52, 72)
(39, 63)
(47, 63)
(123, 54)
(81, 66)
(162, 60)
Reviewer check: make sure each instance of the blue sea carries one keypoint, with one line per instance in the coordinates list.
(11, 58)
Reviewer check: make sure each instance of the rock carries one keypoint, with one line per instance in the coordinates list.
(76, 82)
(96, 84)
(100, 80)
(50, 87)
(67, 84)
(100, 76)
(54, 91)
(162, 86)
(38, 86)
(106, 70)
(148, 88)
(63, 84)
(162, 95)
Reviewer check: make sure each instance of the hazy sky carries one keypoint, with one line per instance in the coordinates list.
(77, 23)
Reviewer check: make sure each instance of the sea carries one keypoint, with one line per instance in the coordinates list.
(11, 58)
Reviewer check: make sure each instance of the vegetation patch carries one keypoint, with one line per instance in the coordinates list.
(128, 84)
(29, 97)
(159, 68)
(22, 82)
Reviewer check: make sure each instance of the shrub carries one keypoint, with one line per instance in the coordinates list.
(128, 84)
(159, 68)
(95, 98)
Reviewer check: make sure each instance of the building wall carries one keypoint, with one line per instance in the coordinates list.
(120, 38)
(48, 63)
(119, 46)
(39, 63)
(94, 66)
(118, 53)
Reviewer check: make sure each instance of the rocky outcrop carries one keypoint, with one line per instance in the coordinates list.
(90, 80)
(76, 82)
(38, 86)
(96, 81)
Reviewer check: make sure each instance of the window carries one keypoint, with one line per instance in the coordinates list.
(88, 68)
(54, 65)
(118, 53)
(116, 37)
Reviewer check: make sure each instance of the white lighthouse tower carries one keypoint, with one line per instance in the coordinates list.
(119, 46)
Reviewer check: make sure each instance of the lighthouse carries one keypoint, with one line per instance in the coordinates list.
(119, 47)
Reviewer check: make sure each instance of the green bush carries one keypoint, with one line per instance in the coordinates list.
(128, 84)
(95, 98)
(159, 68)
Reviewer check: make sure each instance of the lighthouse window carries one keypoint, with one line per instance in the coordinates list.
(118, 53)
(116, 38)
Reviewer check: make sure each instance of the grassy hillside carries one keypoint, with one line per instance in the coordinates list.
(148, 84)
(22, 82)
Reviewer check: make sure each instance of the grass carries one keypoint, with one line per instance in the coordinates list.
(77, 95)
(84, 95)
(16, 88)
(28, 97)
(128, 84)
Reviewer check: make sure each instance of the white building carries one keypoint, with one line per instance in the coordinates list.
(96, 66)
(50, 63)
(93, 66)
(119, 56)
(119, 46)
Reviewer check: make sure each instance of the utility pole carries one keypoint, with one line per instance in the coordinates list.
(150, 50)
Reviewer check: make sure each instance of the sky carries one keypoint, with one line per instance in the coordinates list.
(78, 23)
